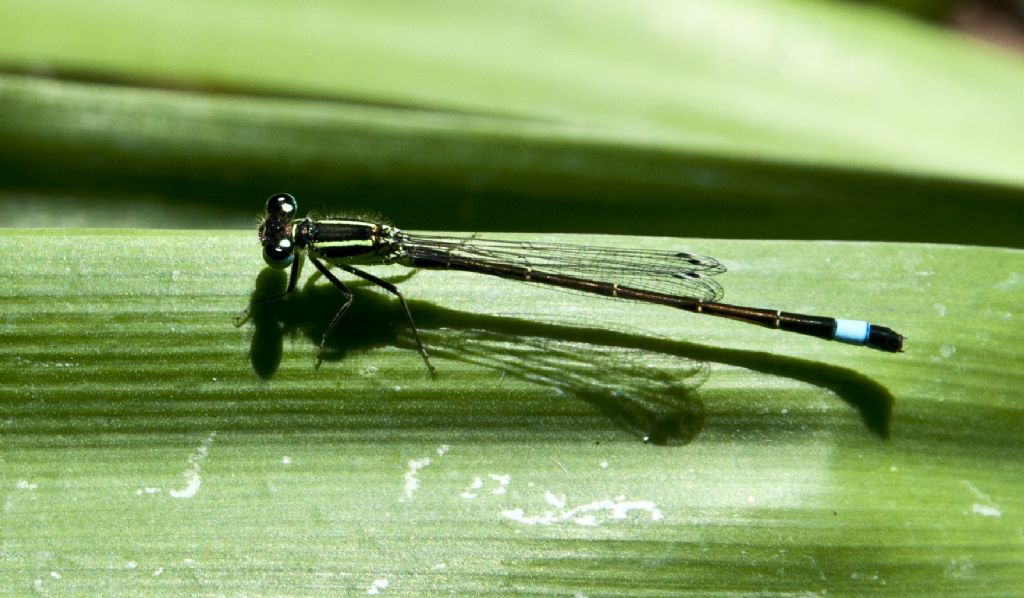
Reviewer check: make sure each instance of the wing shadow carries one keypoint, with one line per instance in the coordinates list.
(608, 369)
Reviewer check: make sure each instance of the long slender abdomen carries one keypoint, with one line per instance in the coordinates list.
(853, 332)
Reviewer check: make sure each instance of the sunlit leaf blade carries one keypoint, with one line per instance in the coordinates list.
(151, 445)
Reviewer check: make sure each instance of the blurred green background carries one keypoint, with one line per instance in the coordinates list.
(148, 447)
(763, 119)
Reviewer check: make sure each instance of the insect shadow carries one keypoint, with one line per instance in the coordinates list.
(644, 384)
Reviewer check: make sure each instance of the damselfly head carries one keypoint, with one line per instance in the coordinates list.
(275, 232)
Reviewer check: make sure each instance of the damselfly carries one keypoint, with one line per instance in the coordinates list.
(675, 279)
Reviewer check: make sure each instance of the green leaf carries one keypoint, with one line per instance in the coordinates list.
(800, 81)
(723, 119)
(151, 445)
(187, 160)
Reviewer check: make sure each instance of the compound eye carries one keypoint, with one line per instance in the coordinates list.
(279, 255)
(281, 206)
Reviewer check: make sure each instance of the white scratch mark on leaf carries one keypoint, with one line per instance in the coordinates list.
(476, 484)
(378, 586)
(503, 481)
(412, 482)
(555, 500)
(589, 514)
(986, 511)
(195, 462)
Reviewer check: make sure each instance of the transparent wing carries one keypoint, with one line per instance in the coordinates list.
(673, 272)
